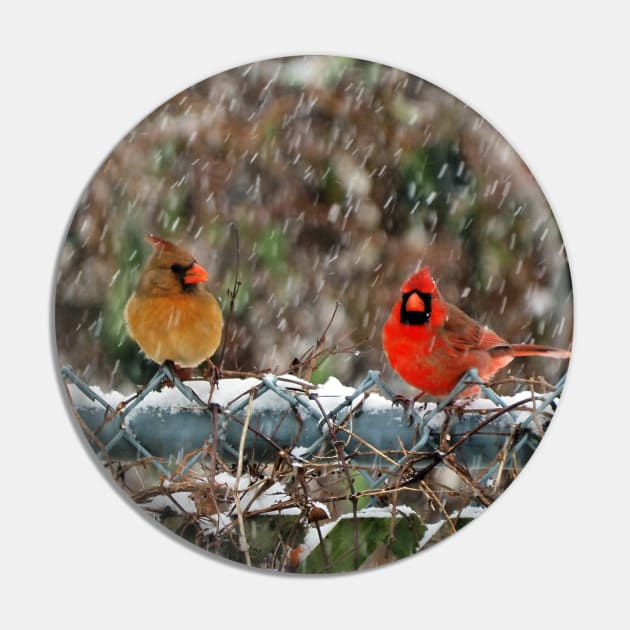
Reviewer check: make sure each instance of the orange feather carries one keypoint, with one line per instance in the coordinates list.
(171, 315)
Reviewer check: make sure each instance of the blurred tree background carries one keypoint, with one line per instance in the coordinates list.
(341, 177)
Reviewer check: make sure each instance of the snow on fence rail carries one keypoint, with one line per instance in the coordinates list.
(261, 419)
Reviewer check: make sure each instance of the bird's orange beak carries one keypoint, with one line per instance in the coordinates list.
(195, 275)
(415, 303)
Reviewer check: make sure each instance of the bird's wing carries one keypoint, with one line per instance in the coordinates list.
(465, 334)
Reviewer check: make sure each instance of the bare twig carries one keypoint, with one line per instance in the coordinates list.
(239, 472)
(503, 456)
(464, 475)
(232, 293)
(341, 458)
(314, 357)
(306, 363)
(436, 500)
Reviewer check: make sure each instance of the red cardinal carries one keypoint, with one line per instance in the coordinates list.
(431, 343)
(170, 314)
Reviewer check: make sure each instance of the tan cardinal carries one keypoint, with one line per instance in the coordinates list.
(171, 315)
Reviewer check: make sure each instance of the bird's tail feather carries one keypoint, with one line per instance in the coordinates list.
(531, 350)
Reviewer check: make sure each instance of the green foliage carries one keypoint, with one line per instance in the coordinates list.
(444, 529)
(244, 296)
(114, 332)
(273, 250)
(332, 71)
(163, 159)
(177, 206)
(431, 175)
(342, 554)
(321, 373)
(330, 189)
(408, 532)
(270, 131)
(263, 535)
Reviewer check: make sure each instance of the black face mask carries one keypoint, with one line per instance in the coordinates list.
(415, 317)
(180, 271)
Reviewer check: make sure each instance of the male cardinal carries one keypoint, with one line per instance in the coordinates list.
(431, 343)
(171, 315)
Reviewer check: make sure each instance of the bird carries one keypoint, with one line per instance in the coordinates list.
(431, 343)
(170, 314)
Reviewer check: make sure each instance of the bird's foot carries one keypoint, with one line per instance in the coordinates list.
(181, 373)
(461, 404)
(407, 404)
(211, 373)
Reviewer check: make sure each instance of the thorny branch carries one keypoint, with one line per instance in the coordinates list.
(404, 475)
(315, 356)
(232, 293)
(237, 482)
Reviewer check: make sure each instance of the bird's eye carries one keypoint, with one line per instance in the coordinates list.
(176, 268)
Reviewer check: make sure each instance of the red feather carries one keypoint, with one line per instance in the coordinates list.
(432, 354)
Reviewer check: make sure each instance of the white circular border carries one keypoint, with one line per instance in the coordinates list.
(80, 78)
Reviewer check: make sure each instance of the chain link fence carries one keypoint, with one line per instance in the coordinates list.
(279, 473)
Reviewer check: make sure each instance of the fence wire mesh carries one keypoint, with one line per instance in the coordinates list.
(351, 476)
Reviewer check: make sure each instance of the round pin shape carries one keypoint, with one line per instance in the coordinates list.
(313, 315)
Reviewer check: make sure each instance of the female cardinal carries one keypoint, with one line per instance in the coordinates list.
(170, 314)
(431, 343)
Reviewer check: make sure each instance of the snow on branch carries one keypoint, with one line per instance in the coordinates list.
(215, 456)
(290, 415)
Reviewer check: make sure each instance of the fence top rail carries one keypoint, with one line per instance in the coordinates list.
(169, 418)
